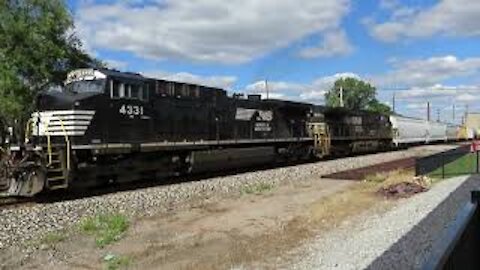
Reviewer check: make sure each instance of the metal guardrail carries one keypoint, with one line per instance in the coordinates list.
(459, 247)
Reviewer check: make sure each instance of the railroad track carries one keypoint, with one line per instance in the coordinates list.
(6, 202)
(58, 196)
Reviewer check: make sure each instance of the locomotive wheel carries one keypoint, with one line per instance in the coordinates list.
(28, 184)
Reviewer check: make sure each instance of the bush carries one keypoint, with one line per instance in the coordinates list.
(106, 228)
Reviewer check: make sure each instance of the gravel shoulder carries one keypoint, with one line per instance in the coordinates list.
(400, 238)
(214, 213)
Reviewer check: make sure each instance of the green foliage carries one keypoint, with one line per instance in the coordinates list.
(357, 95)
(257, 188)
(53, 238)
(37, 47)
(376, 106)
(116, 261)
(466, 164)
(106, 228)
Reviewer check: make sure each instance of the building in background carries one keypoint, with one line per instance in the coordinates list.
(472, 121)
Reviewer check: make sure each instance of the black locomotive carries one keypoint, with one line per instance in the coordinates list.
(106, 126)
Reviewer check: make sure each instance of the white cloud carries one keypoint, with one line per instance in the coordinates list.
(310, 92)
(235, 31)
(430, 92)
(335, 43)
(446, 17)
(441, 93)
(224, 82)
(430, 71)
(116, 64)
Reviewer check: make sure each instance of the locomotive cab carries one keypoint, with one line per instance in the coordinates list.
(93, 107)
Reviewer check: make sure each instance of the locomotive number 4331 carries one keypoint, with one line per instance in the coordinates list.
(131, 110)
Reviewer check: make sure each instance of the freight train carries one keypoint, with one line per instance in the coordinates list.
(104, 126)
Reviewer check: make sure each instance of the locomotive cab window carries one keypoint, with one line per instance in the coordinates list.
(128, 90)
(86, 86)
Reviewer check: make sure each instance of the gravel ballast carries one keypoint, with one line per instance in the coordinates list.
(19, 225)
(401, 238)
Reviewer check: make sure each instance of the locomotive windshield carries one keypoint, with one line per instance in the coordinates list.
(93, 86)
(85, 81)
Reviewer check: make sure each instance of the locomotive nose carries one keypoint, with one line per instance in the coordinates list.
(57, 101)
(61, 100)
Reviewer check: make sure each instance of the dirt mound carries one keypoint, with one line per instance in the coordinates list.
(401, 190)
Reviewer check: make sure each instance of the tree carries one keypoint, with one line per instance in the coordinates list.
(357, 95)
(37, 47)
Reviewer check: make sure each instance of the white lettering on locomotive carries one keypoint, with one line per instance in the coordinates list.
(85, 74)
(131, 110)
(263, 127)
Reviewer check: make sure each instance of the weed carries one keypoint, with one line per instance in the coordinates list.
(376, 178)
(257, 188)
(106, 228)
(53, 238)
(113, 262)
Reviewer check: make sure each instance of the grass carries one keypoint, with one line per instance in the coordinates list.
(376, 178)
(113, 262)
(259, 188)
(464, 165)
(106, 228)
(53, 238)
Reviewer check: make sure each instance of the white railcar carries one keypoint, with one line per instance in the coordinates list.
(409, 130)
(470, 133)
(436, 132)
(452, 132)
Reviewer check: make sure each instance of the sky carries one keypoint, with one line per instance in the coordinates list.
(417, 51)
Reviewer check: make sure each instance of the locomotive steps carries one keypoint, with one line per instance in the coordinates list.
(227, 221)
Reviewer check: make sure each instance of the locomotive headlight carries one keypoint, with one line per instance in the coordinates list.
(77, 103)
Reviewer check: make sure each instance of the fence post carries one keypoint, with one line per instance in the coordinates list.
(477, 161)
(443, 165)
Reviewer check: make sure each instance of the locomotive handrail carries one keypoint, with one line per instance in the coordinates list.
(49, 145)
(27, 129)
(67, 140)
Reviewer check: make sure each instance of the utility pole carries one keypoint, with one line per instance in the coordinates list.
(428, 111)
(266, 88)
(341, 96)
(453, 113)
(466, 114)
(438, 115)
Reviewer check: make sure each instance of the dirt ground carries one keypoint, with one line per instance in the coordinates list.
(248, 231)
